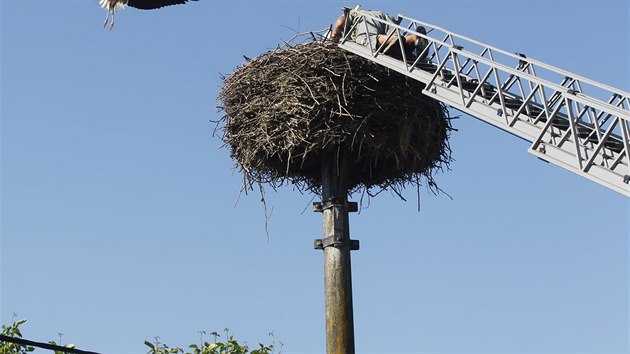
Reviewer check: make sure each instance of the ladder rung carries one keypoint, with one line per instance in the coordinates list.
(468, 85)
(427, 67)
(512, 103)
(585, 132)
(613, 144)
(557, 122)
(486, 86)
(534, 111)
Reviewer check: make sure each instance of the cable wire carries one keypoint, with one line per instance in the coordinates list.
(22, 341)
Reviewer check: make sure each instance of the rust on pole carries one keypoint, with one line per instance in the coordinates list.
(337, 245)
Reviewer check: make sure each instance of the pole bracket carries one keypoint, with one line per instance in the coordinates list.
(336, 241)
(351, 207)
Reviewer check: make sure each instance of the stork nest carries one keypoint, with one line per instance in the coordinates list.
(289, 108)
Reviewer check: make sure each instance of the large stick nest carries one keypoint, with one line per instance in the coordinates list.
(288, 108)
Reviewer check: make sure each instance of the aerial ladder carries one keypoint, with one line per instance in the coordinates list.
(571, 121)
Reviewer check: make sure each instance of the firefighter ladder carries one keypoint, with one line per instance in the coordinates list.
(571, 121)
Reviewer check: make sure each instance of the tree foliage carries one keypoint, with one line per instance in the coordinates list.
(230, 346)
(13, 330)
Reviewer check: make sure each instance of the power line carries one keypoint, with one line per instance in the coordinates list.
(22, 341)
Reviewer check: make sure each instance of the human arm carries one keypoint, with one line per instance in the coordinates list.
(338, 27)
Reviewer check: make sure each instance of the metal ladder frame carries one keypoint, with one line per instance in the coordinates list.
(578, 123)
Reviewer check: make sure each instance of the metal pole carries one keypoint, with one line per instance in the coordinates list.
(337, 245)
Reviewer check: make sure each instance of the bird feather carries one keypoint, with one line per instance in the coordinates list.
(154, 4)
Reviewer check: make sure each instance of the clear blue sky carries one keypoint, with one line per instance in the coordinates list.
(119, 213)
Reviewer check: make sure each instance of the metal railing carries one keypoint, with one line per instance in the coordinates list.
(571, 121)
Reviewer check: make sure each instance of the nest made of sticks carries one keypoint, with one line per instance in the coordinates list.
(291, 107)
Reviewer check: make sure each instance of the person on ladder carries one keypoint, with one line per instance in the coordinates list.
(372, 33)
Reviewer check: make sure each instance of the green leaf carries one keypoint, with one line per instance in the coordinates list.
(149, 344)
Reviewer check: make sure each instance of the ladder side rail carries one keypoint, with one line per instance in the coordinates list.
(532, 61)
(464, 53)
(438, 45)
(560, 90)
(582, 149)
(597, 104)
(557, 95)
(592, 102)
(587, 151)
(560, 154)
(619, 104)
(608, 91)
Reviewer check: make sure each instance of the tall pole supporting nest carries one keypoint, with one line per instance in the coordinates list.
(337, 245)
(353, 125)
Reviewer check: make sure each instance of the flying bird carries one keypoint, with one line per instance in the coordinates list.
(115, 5)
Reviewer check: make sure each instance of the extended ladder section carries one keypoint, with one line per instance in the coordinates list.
(571, 121)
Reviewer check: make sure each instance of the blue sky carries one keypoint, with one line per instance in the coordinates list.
(120, 219)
